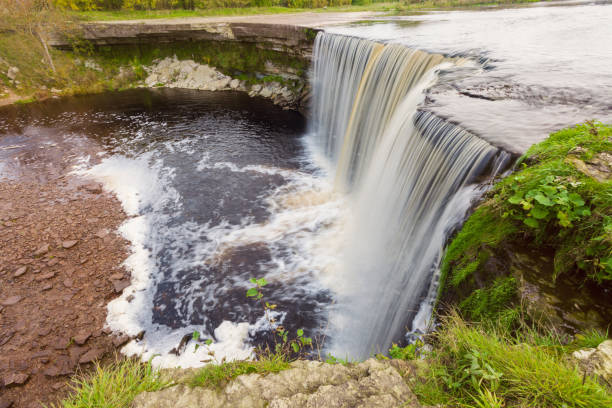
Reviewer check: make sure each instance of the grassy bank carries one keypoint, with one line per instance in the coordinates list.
(558, 202)
(394, 7)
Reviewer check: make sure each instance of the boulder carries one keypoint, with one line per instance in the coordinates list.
(597, 361)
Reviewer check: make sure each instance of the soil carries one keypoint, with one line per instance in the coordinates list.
(60, 264)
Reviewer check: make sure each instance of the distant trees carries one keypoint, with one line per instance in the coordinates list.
(85, 5)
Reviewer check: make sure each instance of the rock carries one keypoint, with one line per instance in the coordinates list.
(120, 341)
(82, 338)
(119, 285)
(48, 286)
(5, 402)
(116, 276)
(597, 361)
(21, 271)
(53, 262)
(256, 88)
(130, 298)
(45, 276)
(15, 379)
(68, 283)
(91, 355)
(12, 73)
(266, 92)
(93, 188)
(42, 250)
(68, 244)
(102, 233)
(306, 384)
(234, 84)
(62, 366)
(10, 301)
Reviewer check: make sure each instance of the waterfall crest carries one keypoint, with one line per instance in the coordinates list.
(407, 174)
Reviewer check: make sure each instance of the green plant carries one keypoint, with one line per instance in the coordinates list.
(285, 345)
(112, 386)
(409, 352)
(548, 202)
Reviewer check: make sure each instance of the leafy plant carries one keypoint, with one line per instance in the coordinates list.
(410, 352)
(548, 202)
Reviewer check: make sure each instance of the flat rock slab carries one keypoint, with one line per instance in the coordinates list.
(307, 384)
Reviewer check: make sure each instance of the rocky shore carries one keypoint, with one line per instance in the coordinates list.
(60, 264)
(188, 74)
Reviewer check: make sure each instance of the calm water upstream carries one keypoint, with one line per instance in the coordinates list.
(532, 70)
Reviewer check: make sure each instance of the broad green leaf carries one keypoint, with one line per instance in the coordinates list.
(516, 199)
(300, 332)
(253, 280)
(262, 282)
(252, 292)
(195, 335)
(538, 212)
(295, 347)
(542, 199)
(576, 200)
(531, 222)
(208, 342)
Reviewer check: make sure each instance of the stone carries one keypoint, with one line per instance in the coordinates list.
(306, 384)
(47, 286)
(10, 301)
(102, 233)
(45, 276)
(68, 283)
(82, 338)
(12, 73)
(93, 188)
(21, 271)
(42, 250)
(5, 402)
(53, 262)
(116, 276)
(119, 285)
(91, 355)
(120, 340)
(234, 84)
(69, 244)
(266, 92)
(597, 361)
(15, 379)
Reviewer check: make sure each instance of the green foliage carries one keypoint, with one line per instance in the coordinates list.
(487, 366)
(112, 386)
(217, 375)
(589, 339)
(331, 359)
(549, 203)
(489, 303)
(410, 352)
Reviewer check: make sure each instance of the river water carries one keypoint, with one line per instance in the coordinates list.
(535, 69)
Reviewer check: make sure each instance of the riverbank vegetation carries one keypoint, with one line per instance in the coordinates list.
(557, 203)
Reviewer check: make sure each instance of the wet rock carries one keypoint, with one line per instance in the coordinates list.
(62, 366)
(93, 188)
(91, 355)
(597, 361)
(120, 340)
(102, 233)
(116, 276)
(81, 338)
(21, 271)
(15, 379)
(10, 301)
(42, 250)
(120, 285)
(69, 244)
(130, 298)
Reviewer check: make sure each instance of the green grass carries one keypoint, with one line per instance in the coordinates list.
(470, 361)
(217, 375)
(385, 7)
(112, 386)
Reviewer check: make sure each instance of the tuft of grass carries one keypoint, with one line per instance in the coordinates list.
(217, 375)
(487, 363)
(112, 386)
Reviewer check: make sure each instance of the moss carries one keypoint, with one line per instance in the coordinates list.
(244, 61)
(489, 303)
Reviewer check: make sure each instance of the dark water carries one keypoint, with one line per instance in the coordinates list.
(204, 176)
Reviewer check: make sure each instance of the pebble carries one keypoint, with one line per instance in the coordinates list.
(45, 276)
(69, 244)
(82, 338)
(42, 250)
(21, 271)
(48, 286)
(120, 285)
(13, 300)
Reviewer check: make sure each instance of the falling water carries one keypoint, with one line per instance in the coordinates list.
(407, 174)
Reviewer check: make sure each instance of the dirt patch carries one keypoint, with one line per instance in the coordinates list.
(60, 264)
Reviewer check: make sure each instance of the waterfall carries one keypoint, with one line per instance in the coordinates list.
(407, 174)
